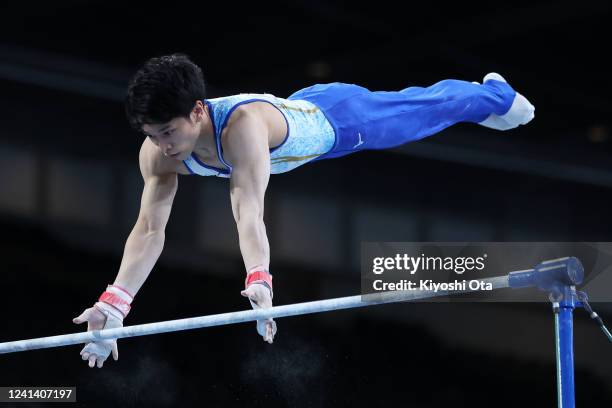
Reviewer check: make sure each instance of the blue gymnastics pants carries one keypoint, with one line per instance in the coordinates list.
(366, 120)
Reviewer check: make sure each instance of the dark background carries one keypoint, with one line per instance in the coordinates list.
(70, 191)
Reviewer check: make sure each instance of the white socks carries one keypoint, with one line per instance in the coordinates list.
(520, 113)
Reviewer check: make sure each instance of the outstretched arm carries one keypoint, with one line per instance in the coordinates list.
(250, 156)
(146, 241)
(248, 151)
(142, 249)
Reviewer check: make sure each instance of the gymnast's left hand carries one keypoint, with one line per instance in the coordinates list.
(260, 296)
(99, 317)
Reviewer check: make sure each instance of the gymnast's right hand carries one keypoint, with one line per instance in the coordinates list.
(107, 313)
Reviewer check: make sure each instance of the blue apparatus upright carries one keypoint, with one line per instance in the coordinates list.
(559, 278)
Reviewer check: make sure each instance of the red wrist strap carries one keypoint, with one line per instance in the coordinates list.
(260, 275)
(115, 301)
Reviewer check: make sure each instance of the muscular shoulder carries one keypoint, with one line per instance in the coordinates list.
(152, 162)
(246, 132)
(245, 114)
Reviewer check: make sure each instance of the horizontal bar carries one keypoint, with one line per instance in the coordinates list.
(236, 317)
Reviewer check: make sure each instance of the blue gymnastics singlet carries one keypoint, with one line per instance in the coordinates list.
(309, 133)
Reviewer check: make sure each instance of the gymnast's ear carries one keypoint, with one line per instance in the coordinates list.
(198, 111)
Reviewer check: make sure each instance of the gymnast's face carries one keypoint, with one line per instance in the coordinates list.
(177, 138)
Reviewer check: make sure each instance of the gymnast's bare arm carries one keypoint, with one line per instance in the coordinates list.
(247, 150)
(142, 249)
(146, 241)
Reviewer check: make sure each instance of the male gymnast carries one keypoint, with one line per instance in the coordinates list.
(246, 138)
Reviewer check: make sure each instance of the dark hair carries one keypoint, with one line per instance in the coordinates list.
(162, 89)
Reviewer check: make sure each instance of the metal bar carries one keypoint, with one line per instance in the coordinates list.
(235, 317)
